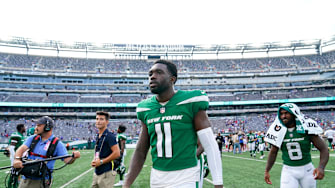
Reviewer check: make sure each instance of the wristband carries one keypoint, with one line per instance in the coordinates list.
(101, 162)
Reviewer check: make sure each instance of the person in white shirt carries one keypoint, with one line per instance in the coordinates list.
(330, 134)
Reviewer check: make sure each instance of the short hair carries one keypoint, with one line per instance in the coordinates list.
(122, 128)
(172, 68)
(102, 113)
(19, 127)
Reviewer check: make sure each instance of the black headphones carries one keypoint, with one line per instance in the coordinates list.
(47, 126)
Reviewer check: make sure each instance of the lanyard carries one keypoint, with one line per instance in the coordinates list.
(100, 146)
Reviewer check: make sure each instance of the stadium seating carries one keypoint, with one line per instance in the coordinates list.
(62, 64)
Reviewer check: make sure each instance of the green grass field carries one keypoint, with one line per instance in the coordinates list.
(238, 171)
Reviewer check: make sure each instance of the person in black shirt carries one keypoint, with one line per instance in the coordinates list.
(220, 140)
(106, 150)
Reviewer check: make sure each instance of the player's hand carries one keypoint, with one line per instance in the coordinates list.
(17, 163)
(267, 178)
(318, 173)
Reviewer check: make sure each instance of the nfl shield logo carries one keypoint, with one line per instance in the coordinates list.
(162, 110)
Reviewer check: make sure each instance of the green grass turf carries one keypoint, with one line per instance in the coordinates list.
(238, 171)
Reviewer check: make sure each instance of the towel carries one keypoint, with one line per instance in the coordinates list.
(276, 133)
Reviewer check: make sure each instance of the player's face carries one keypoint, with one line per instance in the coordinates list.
(101, 121)
(23, 130)
(159, 78)
(287, 118)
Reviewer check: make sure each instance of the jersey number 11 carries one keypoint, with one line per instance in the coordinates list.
(167, 139)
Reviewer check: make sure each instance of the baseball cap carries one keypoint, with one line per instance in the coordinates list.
(44, 120)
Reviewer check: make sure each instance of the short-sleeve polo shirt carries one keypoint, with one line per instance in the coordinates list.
(103, 146)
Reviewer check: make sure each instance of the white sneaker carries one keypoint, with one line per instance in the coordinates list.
(261, 157)
(118, 184)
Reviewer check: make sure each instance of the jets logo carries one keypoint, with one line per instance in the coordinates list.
(289, 105)
(277, 128)
(162, 110)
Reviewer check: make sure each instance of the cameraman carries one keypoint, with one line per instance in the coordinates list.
(44, 127)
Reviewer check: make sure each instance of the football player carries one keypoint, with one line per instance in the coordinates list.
(172, 121)
(298, 170)
(252, 143)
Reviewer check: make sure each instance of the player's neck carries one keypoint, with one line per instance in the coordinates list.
(165, 96)
(291, 125)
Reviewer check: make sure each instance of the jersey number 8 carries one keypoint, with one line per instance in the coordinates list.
(294, 151)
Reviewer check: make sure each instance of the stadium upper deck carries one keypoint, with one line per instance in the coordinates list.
(55, 74)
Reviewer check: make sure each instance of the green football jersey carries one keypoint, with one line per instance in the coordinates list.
(121, 136)
(30, 131)
(18, 137)
(260, 139)
(296, 149)
(251, 137)
(173, 138)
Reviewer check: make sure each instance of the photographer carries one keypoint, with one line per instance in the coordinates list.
(42, 145)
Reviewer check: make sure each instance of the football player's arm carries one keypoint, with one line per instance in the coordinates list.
(271, 160)
(200, 149)
(319, 172)
(123, 143)
(18, 156)
(139, 156)
(206, 137)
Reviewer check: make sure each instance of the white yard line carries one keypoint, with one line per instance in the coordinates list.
(76, 178)
(210, 181)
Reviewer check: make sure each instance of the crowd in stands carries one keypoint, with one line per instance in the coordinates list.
(83, 65)
(227, 96)
(77, 129)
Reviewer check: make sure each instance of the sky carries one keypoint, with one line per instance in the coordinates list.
(169, 21)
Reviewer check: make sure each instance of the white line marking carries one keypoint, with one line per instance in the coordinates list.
(76, 178)
(210, 181)
(264, 161)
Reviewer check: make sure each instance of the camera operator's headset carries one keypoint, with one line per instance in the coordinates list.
(48, 125)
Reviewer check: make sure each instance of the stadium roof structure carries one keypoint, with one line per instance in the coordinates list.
(21, 45)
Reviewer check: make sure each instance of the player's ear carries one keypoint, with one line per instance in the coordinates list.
(173, 79)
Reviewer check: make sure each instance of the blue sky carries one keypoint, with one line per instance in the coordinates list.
(168, 22)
